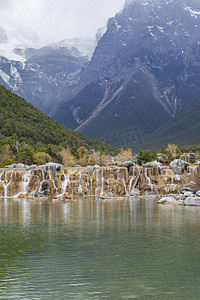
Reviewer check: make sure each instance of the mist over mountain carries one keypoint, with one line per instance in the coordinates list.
(39, 74)
(144, 71)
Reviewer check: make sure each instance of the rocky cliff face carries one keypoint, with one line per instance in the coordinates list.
(144, 71)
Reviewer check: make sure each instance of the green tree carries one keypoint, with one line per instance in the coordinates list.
(41, 158)
(147, 156)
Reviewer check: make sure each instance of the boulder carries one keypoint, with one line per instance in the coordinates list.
(54, 167)
(31, 167)
(185, 189)
(167, 179)
(92, 169)
(111, 195)
(45, 185)
(154, 164)
(192, 201)
(178, 178)
(198, 193)
(135, 192)
(126, 164)
(188, 194)
(33, 194)
(179, 197)
(166, 200)
(16, 166)
(179, 166)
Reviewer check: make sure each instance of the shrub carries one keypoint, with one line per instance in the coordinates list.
(5, 162)
(147, 156)
(41, 158)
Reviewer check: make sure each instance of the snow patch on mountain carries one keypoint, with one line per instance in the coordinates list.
(193, 13)
(22, 37)
(5, 77)
(85, 46)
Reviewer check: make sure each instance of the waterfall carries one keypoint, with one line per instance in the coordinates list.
(193, 171)
(52, 180)
(131, 181)
(91, 183)
(25, 182)
(24, 186)
(99, 182)
(124, 183)
(65, 182)
(43, 177)
(148, 179)
(6, 184)
(1, 174)
(87, 184)
(102, 182)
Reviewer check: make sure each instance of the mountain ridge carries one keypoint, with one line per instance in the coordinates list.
(153, 46)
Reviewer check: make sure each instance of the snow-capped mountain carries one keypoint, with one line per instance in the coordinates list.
(85, 46)
(39, 74)
(144, 71)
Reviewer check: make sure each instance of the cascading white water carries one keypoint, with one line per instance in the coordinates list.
(6, 183)
(131, 181)
(43, 177)
(148, 179)
(193, 171)
(97, 182)
(65, 182)
(52, 180)
(124, 183)
(102, 182)
(91, 184)
(88, 185)
(25, 182)
(1, 174)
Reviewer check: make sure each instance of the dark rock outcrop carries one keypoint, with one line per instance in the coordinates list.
(179, 166)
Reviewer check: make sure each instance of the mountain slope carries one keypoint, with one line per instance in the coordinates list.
(181, 130)
(144, 71)
(22, 119)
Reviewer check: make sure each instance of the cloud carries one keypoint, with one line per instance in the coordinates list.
(54, 20)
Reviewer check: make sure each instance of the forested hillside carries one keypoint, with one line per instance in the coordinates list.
(22, 125)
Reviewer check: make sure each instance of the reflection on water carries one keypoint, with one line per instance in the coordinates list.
(87, 249)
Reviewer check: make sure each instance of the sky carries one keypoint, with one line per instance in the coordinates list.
(55, 20)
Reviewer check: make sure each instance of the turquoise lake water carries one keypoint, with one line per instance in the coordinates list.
(85, 249)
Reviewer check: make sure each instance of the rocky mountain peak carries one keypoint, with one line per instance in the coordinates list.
(141, 73)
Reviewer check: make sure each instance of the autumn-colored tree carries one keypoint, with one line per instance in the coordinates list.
(125, 155)
(68, 160)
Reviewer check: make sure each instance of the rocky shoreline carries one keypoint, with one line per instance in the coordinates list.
(173, 184)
